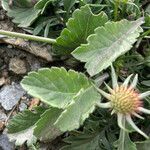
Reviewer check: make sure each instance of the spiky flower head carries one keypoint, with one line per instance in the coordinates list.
(125, 101)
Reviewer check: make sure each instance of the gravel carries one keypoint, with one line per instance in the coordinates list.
(10, 95)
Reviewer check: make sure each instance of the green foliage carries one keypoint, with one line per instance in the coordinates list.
(55, 86)
(23, 136)
(42, 4)
(87, 140)
(68, 4)
(58, 88)
(44, 26)
(45, 129)
(107, 44)
(66, 90)
(21, 127)
(25, 13)
(24, 120)
(147, 83)
(143, 145)
(79, 27)
(78, 110)
(96, 34)
(21, 14)
(97, 134)
(124, 142)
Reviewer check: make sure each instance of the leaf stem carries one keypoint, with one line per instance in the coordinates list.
(117, 3)
(28, 37)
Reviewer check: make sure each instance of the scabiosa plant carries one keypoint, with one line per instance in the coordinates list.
(125, 101)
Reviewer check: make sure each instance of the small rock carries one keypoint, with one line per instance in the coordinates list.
(2, 116)
(10, 95)
(2, 81)
(18, 66)
(10, 46)
(34, 63)
(22, 107)
(2, 125)
(5, 144)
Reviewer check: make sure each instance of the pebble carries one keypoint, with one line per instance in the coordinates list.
(10, 95)
(5, 144)
(2, 116)
(22, 107)
(2, 81)
(17, 65)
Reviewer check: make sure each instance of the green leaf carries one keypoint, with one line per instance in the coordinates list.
(83, 141)
(88, 139)
(97, 134)
(55, 86)
(78, 110)
(22, 4)
(23, 136)
(24, 120)
(68, 4)
(45, 130)
(124, 142)
(23, 16)
(143, 145)
(42, 4)
(107, 44)
(20, 127)
(79, 27)
(70, 90)
(146, 82)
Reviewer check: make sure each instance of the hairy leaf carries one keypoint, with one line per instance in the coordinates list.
(143, 145)
(68, 4)
(78, 110)
(71, 91)
(22, 15)
(79, 27)
(55, 86)
(24, 120)
(45, 130)
(107, 44)
(23, 136)
(20, 127)
(42, 4)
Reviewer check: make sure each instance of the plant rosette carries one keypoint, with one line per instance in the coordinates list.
(125, 101)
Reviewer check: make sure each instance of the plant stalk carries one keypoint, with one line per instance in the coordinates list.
(28, 37)
(117, 3)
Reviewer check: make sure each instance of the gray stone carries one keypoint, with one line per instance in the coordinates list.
(22, 107)
(18, 66)
(10, 95)
(2, 116)
(5, 144)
